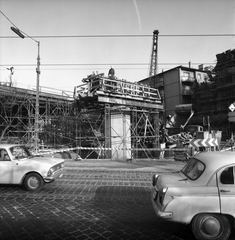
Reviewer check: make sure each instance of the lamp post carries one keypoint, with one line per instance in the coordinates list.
(20, 34)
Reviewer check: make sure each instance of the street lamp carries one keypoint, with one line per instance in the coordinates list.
(20, 34)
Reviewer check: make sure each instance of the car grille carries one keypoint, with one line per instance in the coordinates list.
(161, 197)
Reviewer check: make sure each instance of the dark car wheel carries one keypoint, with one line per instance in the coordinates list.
(33, 182)
(208, 226)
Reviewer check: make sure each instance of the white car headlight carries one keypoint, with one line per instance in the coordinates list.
(154, 179)
(55, 168)
(50, 172)
(162, 193)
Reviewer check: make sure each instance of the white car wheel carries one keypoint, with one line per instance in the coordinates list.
(208, 226)
(33, 182)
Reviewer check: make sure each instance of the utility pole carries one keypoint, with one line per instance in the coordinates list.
(20, 34)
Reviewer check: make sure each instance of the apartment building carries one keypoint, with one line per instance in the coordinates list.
(176, 87)
(209, 92)
(214, 97)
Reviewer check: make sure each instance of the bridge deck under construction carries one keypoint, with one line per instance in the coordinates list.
(17, 114)
(81, 119)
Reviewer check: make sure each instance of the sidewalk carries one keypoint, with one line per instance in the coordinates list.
(147, 165)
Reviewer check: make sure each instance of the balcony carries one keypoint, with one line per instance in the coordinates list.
(187, 79)
(186, 90)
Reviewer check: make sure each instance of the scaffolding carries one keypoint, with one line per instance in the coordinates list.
(111, 96)
(57, 116)
(92, 136)
(213, 97)
(98, 89)
(82, 120)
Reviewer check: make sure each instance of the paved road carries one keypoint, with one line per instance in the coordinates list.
(101, 202)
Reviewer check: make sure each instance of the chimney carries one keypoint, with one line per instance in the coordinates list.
(200, 67)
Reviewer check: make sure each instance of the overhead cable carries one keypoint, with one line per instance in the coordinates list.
(127, 36)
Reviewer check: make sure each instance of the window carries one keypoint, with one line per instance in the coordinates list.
(4, 155)
(193, 169)
(227, 176)
(20, 152)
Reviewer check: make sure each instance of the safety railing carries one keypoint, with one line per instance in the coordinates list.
(99, 84)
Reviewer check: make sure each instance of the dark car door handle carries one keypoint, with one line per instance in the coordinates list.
(223, 190)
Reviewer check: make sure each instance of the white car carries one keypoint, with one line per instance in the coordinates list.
(19, 166)
(201, 194)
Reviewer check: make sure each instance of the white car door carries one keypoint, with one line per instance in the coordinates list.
(226, 185)
(6, 168)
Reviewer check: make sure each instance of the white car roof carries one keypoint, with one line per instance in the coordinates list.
(214, 161)
(8, 145)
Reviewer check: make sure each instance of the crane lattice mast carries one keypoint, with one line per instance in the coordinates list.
(153, 63)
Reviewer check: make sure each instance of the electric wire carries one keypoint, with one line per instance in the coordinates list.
(18, 28)
(119, 35)
(101, 64)
(128, 36)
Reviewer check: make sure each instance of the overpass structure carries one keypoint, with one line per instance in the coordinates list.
(105, 116)
(123, 116)
(57, 116)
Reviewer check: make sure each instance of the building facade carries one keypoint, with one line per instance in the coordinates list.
(176, 88)
(209, 92)
(214, 97)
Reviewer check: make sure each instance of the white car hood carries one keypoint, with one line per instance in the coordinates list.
(50, 160)
(175, 180)
(44, 160)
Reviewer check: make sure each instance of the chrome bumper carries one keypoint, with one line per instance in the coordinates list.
(58, 174)
(159, 213)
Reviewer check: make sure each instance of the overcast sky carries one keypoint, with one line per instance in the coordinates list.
(78, 37)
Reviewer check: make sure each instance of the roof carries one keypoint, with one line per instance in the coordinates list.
(8, 145)
(214, 161)
(172, 69)
(217, 159)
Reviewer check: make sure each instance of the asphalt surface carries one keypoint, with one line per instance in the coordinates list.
(95, 199)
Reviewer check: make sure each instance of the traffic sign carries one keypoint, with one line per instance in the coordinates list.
(208, 142)
(232, 107)
(231, 116)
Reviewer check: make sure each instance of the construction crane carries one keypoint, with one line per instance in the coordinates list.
(153, 63)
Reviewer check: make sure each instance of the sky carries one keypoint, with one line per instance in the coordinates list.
(79, 37)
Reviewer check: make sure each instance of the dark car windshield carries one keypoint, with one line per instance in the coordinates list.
(193, 169)
(20, 152)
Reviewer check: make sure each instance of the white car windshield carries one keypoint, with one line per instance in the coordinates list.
(20, 152)
(193, 169)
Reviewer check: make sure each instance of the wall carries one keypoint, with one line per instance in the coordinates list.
(172, 91)
(120, 135)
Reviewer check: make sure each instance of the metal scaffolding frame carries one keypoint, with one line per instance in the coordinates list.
(57, 117)
(92, 133)
(67, 121)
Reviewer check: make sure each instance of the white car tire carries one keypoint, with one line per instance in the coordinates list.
(33, 182)
(207, 226)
